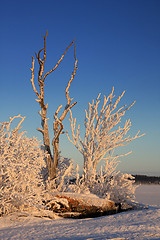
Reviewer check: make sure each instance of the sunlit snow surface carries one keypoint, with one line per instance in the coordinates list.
(140, 224)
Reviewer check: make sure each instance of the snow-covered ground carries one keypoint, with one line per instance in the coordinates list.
(138, 224)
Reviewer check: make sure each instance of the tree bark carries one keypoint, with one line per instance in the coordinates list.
(55, 149)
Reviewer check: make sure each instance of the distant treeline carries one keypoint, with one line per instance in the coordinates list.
(143, 179)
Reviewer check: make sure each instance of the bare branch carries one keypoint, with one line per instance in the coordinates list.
(68, 106)
(44, 56)
(32, 79)
(40, 130)
(41, 70)
(60, 124)
(18, 126)
(72, 105)
(58, 61)
(71, 79)
(38, 56)
(58, 109)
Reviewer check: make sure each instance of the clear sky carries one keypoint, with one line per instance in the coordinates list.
(118, 44)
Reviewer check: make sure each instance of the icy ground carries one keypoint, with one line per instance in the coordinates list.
(138, 224)
(148, 194)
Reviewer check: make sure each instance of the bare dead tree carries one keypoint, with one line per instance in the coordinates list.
(52, 160)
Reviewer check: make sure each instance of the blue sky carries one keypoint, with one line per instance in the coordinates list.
(118, 44)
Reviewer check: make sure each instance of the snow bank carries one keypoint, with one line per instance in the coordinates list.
(137, 224)
(140, 224)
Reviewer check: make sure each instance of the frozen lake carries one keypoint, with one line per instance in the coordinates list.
(148, 194)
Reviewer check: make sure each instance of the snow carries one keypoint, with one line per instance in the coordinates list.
(87, 199)
(141, 224)
(148, 194)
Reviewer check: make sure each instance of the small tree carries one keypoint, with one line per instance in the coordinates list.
(101, 135)
(52, 160)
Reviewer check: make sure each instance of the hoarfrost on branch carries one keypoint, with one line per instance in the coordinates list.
(103, 135)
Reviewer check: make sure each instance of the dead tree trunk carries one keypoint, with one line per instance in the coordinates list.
(52, 161)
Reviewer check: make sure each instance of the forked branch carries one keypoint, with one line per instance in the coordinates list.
(53, 69)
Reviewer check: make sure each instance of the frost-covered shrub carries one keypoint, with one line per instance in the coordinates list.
(108, 184)
(78, 184)
(121, 188)
(113, 185)
(104, 133)
(22, 163)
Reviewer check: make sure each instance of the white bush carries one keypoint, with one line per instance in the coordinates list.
(113, 185)
(104, 133)
(121, 188)
(22, 163)
(117, 186)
